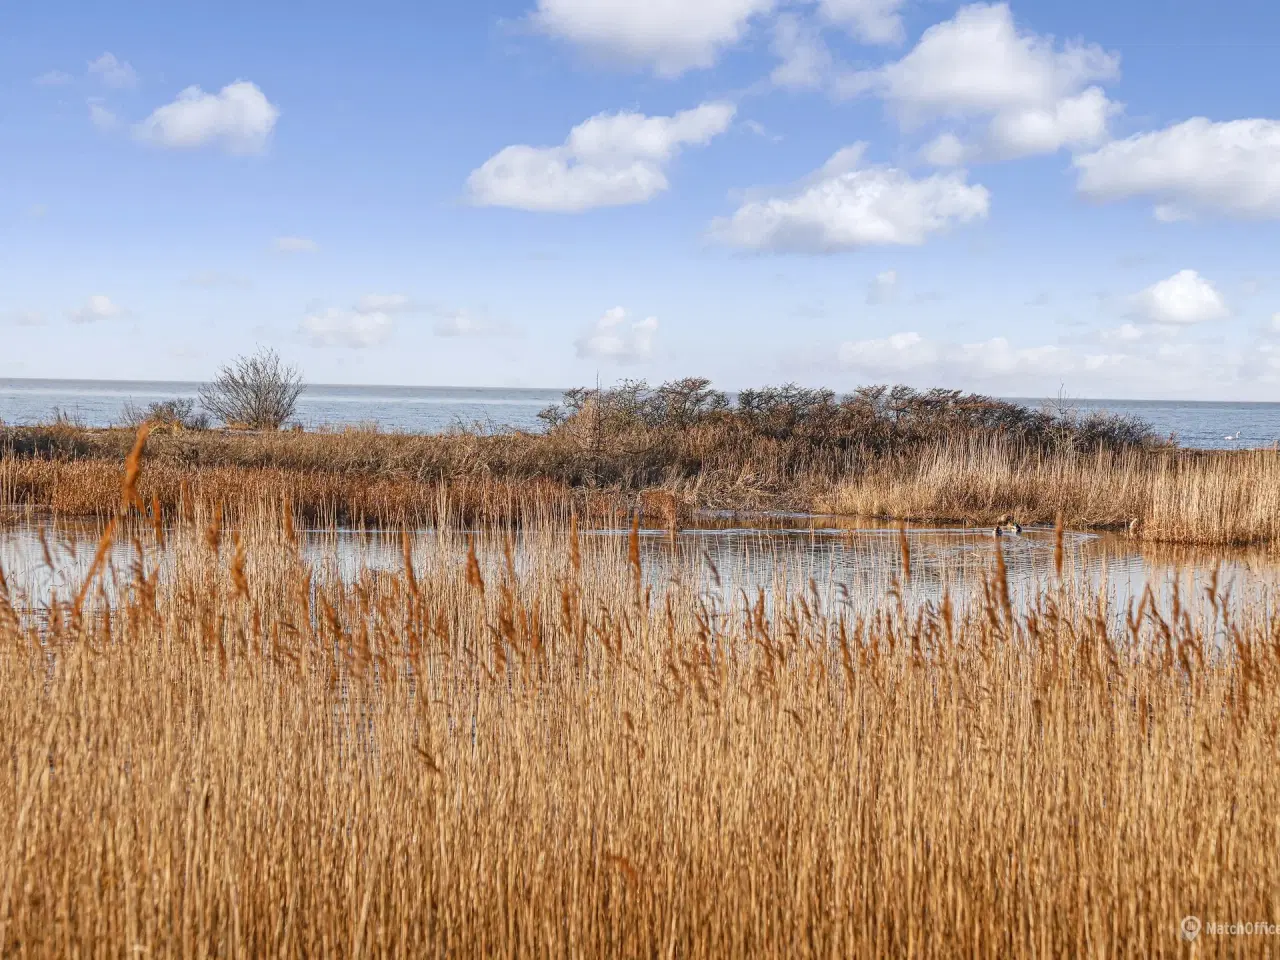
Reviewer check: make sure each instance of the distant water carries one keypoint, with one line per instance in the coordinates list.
(99, 403)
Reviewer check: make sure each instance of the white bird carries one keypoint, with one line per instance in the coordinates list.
(1229, 437)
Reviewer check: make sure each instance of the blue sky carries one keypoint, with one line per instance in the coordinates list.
(1013, 198)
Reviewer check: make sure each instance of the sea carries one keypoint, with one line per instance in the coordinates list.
(101, 403)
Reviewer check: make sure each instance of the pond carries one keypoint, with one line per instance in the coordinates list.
(858, 566)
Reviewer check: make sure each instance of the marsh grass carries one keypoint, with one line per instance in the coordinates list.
(231, 752)
(1204, 497)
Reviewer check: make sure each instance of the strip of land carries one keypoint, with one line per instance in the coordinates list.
(924, 457)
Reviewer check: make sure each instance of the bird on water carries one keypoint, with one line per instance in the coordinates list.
(1007, 524)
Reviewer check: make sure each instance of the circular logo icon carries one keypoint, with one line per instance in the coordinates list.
(1190, 927)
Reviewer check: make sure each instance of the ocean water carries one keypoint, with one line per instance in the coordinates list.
(100, 403)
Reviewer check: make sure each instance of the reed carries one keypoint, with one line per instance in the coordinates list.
(1171, 496)
(1156, 493)
(491, 747)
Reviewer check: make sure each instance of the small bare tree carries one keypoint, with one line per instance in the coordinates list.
(256, 391)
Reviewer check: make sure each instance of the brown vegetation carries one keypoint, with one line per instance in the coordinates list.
(229, 751)
(936, 456)
(1195, 497)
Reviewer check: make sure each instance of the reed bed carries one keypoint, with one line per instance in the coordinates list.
(90, 488)
(1158, 493)
(1170, 496)
(484, 751)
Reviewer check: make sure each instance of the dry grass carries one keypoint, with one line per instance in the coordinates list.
(360, 477)
(1212, 498)
(230, 751)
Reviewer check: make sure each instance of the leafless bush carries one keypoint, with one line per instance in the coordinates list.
(179, 412)
(256, 392)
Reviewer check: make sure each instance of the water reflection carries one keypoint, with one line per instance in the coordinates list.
(858, 567)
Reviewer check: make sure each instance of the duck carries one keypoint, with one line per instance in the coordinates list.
(1007, 524)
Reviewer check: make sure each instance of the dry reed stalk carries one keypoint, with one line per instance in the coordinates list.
(778, 780)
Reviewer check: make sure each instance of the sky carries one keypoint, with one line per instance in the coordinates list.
(1024, 199)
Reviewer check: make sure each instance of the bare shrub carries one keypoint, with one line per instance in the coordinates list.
(179, 412)
(256, 392)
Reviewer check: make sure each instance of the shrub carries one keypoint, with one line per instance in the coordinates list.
(256, 392)
(179, 412)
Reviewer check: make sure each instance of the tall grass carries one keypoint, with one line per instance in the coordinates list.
(1170, 496)
(229, 750)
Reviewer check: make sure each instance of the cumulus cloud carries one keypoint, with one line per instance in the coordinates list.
(113, 72)
(609, 160)
(1196, 166)
(384, 303)
(368, 324)
(97, 307)
(25, 318)
(946, 150)
(1130, 365)
(1125, 333)
(1182, 299)
(845, 206)
(239, 118)
(617, 339)
(296, 245)
(871, 21)
(101, 116)
(884, 288)
(460, 323)
(905, 354)
(805, 62)
(671, 36)
(1033, 94)
(336, 327)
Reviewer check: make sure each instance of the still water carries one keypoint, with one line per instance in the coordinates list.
(99, 403)
(858, 569)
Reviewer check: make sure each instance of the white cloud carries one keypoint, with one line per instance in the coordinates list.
(1071, 121)
(1184, 298)
(884, 288)
(872, 21)
(368, 324)
(1230, 168)
(54, 78)
(615, 338)
(1275, 323)
(26, 318)
(1124, 367)
(1036, 96)
(805, 60)
(844, 206)
(945, 150)
(759, 129)
(1125, 333)
(384, 303)
(113, 72)
(98, 307)
(239, 117)
(102, 117)
(609, 160)
(460, 323)
(910, 353)
(336, 327)
(671, 36)
(296, 245)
